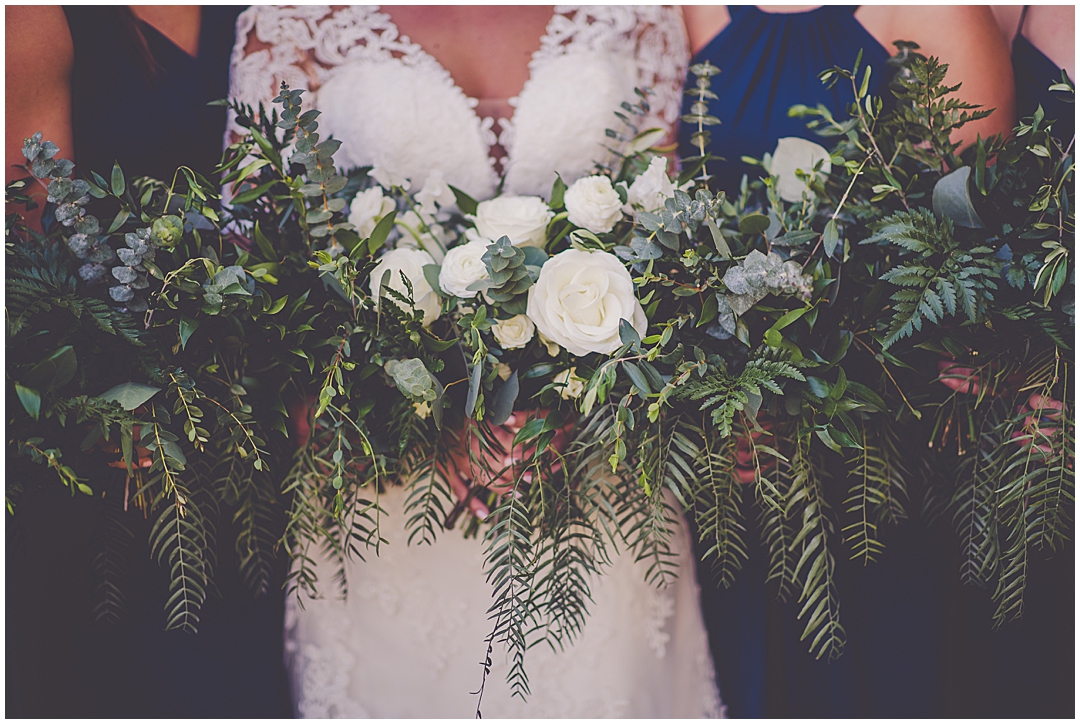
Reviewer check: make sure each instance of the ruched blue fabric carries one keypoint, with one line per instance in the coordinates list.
(769, 62)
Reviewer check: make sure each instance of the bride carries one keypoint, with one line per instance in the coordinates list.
(496, 99)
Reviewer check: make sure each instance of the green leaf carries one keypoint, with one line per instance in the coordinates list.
(474, 389)
(824, 436)
(254, 193)
(709, 310)
(187, 328)
(627, 333)
(30, 399)
(722, 247)
(466, 203)
(952, 198)
(117, 180)
(130, 395)
(503, 406)
(754, 224)
(54, 371)
(529, 431)
(818, 387)
(264, 244)
(636, 377)
(830, 238)
(558, 191)
(381, 231)
(864, 393)
(118, 221)
(278, 305)
(431, 275)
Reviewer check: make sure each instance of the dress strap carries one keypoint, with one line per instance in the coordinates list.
(1020, 25)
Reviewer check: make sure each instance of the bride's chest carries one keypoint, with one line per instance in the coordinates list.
(394, 105)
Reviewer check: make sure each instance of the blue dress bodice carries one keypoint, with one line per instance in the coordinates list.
(150, 126)
(769, 62)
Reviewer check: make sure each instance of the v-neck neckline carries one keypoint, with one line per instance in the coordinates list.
(474, 102)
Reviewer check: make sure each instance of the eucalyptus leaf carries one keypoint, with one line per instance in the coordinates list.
(952, 198)
(130, 395)
(503, 406)
(474, 389)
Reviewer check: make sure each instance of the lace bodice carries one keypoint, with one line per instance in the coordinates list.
(394, 106)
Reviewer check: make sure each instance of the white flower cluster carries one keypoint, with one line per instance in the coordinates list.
(579, 297)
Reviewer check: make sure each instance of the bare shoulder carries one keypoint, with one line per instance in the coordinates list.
(932, 26)
(37, 41)
(703, 22)
(968, 39)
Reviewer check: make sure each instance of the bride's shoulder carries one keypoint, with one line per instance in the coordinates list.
(307, 23)
(647, 29)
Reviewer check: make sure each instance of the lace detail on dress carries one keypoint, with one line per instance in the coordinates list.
(395, 106)
(320, 673)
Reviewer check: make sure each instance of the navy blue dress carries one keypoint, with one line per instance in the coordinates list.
(918, 644)
(59, 662)
(1034, 74)
(769, 62)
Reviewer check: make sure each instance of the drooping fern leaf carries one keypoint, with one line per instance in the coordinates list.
(112, 538)
(816, 567)
(717, 509)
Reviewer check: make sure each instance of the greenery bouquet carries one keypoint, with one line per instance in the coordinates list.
(882, 321)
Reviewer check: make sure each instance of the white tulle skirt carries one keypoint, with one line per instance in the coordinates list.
(409, 639)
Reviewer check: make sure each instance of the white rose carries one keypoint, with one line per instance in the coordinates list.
(422, 409)
(463, 266)
(435, 189)
(367, 209)
(522, 218)
(579, 299)
(514, 332)
(572, 385)
(551, 347)
(796, 153)
(593, 204)
(650, 188)
(409, 262)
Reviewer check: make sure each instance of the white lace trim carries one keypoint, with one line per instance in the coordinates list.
(617, 47)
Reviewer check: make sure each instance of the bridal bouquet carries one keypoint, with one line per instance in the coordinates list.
(875, 331)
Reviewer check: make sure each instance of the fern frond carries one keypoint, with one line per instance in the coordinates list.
(113, 539)
(717, 503)
(510, 568)
(871, 478)
(816, 567)
(724, 394)
(778, 529)
(935, 275)
(976, 500)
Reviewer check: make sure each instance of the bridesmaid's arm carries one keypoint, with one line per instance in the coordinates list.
(39, 54)
(968, 39)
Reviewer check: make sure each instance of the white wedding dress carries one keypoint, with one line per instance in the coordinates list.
(410, 636)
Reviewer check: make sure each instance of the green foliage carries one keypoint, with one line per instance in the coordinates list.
(723, 394)
(938, 277)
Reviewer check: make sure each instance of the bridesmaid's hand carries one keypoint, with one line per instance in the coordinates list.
(472, 470)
